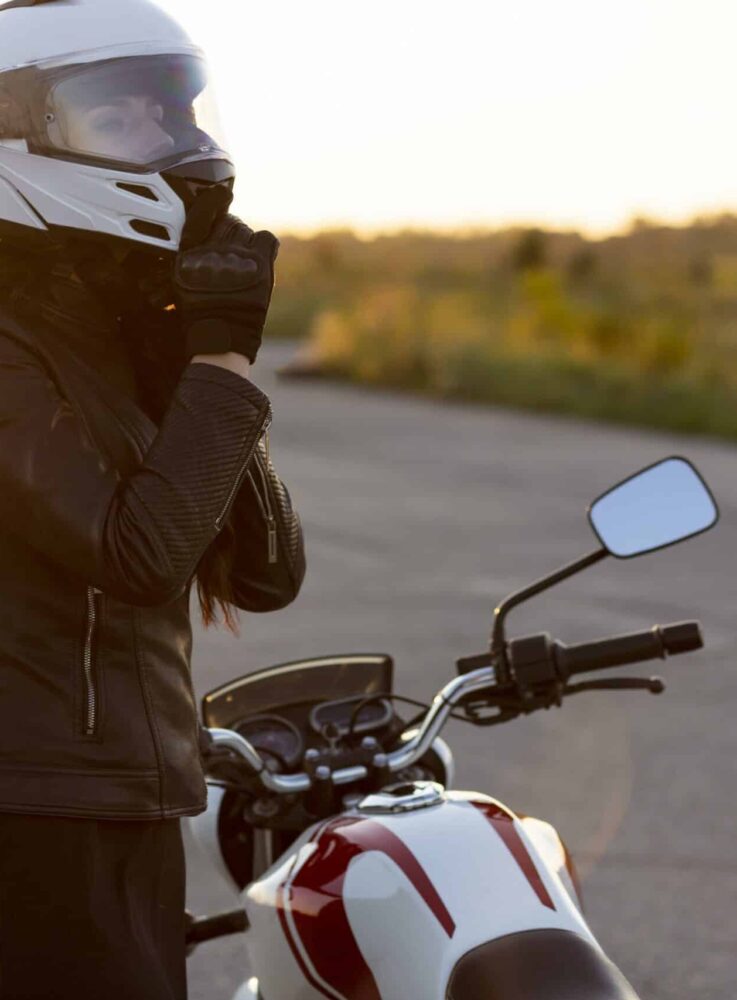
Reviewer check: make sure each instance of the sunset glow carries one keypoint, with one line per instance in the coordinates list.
(416, 112)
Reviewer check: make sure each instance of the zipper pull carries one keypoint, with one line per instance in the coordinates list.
(273, 552)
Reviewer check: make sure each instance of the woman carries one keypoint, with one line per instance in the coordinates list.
(133, 462)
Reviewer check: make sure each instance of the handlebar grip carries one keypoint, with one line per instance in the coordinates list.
(654, 644)
(208, 928)
(682, 637)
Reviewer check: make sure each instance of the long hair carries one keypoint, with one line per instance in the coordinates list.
(214, 587)
(156, 350)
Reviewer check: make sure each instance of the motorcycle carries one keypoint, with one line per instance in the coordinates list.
(362, 874)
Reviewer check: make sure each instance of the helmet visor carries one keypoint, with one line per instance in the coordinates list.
(136, 112)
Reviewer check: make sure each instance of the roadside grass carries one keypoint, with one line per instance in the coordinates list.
(641, 331)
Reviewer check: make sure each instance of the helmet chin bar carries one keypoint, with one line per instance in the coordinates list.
(98, 203)
(93, 202)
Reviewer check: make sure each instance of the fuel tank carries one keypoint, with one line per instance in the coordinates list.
(382, 901)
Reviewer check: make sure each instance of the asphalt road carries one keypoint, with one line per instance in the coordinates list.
(419, 516)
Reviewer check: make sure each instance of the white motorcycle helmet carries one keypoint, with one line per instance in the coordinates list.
(103, 128)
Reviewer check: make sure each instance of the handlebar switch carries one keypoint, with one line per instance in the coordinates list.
(682, 637)
(381, 774)
(533, 664)
(319, 800)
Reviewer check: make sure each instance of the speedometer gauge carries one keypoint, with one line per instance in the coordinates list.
(372, 714)
(273, 736)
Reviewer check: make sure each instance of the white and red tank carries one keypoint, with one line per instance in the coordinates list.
(382, 901)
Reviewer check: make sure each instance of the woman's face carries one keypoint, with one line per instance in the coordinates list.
(126, 128)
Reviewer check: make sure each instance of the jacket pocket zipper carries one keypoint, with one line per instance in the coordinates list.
(90, 687)
(238, 480)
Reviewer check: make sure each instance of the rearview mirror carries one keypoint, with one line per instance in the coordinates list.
(664, 504)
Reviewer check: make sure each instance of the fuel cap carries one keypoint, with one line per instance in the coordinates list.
(403, 798)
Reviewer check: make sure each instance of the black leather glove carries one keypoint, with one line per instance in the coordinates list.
(223, 287)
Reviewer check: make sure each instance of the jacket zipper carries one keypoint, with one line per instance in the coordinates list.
(239, 479)
(267, 512)
(270, 519)
(89, 677)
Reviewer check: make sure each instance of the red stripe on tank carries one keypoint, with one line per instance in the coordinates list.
(281, 912)
(503, 822)
(314, 898)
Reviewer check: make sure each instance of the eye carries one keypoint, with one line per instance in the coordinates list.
(111, 126)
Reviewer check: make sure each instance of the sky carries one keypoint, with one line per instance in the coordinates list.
(477, 113)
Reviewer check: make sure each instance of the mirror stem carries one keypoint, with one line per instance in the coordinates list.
(498, 636)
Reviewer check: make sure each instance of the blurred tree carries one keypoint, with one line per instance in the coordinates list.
(581, 265)
(326, 253)
(641, 224)
(701, 271)
(530, 252)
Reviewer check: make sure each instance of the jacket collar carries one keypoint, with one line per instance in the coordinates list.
(90, 328)
(104, 408)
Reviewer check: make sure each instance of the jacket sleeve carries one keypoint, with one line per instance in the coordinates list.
(139, 537)
(269, 563)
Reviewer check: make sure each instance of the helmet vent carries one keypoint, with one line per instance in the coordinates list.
(139, 189)
(150, 229)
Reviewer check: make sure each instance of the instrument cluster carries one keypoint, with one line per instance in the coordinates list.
(283, 738)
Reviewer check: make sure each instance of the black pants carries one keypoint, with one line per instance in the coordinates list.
(91, 909)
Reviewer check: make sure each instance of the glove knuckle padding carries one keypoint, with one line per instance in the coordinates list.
(224, 288)
(216, 272)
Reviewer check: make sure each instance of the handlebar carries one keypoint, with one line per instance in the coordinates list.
(654, 644)
(413, 749)
(537, 661)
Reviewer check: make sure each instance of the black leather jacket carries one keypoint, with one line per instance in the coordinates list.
(104, 518)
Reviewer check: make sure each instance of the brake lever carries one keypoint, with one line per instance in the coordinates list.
(655, 685)
(485, 712)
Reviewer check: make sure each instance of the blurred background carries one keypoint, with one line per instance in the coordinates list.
(524, 203)
(489, 208)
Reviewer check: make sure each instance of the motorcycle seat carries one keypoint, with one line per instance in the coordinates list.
(538, 965)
